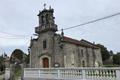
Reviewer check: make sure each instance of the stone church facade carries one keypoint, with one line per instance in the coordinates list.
(50, 49)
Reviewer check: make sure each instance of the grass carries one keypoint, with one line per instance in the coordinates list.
(18, 73)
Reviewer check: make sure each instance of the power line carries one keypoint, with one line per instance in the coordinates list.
(93, 21)
(89, 22)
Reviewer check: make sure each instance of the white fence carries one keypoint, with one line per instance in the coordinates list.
(72, 73)
(69, 73)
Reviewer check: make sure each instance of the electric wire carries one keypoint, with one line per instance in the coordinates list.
(16, 36)
(93, 21)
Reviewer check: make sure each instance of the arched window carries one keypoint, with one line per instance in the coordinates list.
(47, 19)
(44, 44)
(42, 21)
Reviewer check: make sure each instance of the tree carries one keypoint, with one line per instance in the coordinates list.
(17, 57)
(116, 59)
(27, 59)
(118, 53)
(2, 65)
(111, 52)
(17, 54)
(104, 51)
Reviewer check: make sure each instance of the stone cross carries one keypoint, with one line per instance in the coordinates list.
(44, 6)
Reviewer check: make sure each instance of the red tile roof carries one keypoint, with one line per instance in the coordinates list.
(70, 40)
(81, 42)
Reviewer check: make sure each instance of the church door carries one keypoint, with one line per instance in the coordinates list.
(45, 63)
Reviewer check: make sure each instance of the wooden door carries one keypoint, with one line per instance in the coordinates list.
(45, 63)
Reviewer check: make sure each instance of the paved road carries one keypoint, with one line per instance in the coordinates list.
(1, 77)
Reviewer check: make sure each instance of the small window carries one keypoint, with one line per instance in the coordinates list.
(47, 19)
(82, 53)
(44, 44)
(83, 63)
(42, 20)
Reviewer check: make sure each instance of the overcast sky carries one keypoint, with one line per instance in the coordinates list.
(19, 17)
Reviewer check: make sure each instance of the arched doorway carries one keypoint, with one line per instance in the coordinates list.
(45, 62)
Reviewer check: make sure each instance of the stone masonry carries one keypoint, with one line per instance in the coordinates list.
(50, 49)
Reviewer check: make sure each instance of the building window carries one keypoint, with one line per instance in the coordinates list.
(83, 63)
(65, 61)
(47, 17)
(72, 58)
(42, 20)
(82, 53)
(44, 44)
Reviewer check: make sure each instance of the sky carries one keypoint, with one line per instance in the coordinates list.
(18, 18)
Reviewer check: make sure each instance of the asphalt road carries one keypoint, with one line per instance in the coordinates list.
(1, 77)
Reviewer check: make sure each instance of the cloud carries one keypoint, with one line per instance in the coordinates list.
(20, 17)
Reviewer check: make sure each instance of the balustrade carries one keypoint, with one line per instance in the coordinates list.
(72, 73)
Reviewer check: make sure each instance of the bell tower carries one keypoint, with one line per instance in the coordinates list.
(46, 21)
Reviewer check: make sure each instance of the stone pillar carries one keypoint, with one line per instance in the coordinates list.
(12, 71)
(118, 74)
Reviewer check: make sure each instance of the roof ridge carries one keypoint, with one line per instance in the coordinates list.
(79, 42)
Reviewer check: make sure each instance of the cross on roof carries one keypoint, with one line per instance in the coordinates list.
(44, 6)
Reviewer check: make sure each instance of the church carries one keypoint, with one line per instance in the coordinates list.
(52, 50)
